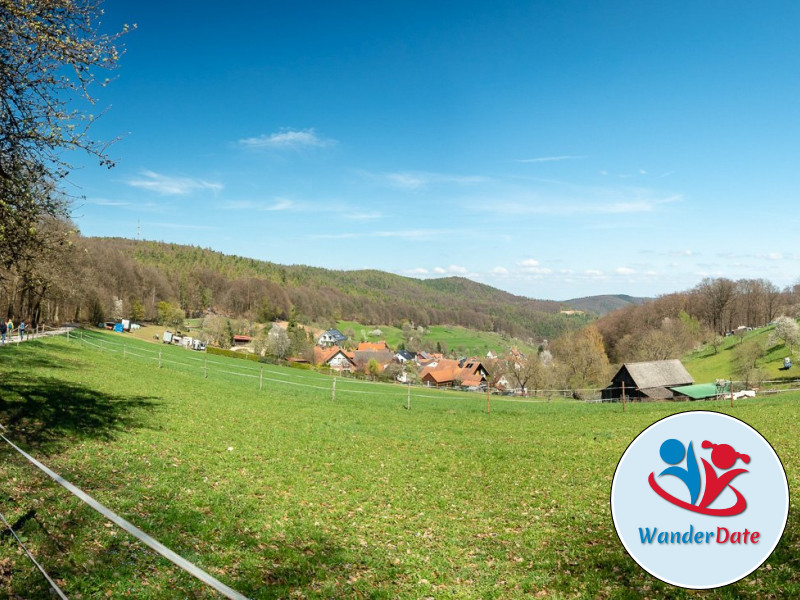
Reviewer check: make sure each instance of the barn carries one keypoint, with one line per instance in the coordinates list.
(648, 380)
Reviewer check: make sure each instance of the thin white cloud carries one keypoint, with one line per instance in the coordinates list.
(105, 202)
(412, 180)
(286, 139)
(500, 271)
(532, 266)
(605, 204)
(364, 216)
(280, 204)
(172, 186)
(542, 159)
(593, 273)
(625, 271)
(528, 262)
(417, 271)
(453, 270)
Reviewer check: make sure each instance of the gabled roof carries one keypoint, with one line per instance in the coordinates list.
(322, 356)
(335, 334)
(657, 373)
(372, 346)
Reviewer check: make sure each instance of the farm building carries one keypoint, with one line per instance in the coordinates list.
(648, 380)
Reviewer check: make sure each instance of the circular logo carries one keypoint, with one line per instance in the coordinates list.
(699, 499)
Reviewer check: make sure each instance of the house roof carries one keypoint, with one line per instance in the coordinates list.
(447, 371)
(658, 373)
(372, 346)
(323, 356)
(335, 334)
(700, 391)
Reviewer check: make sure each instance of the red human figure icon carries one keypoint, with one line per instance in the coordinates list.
(724, 457)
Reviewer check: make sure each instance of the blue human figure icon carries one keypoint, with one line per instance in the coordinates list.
(672, 452)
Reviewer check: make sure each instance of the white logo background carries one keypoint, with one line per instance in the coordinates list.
(635, 505)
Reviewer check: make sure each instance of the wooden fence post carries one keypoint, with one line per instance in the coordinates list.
(333, 390)
(623, 396)
(260, 378)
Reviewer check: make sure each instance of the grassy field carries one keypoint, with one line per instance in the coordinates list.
(283, 492)
(462, 340)
(707, 365)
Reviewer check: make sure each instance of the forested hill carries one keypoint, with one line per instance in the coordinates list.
(604, 304)
(202, 279)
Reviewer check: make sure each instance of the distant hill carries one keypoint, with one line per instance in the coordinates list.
(601, 305)
(200, 280)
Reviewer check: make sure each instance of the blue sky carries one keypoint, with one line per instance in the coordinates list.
(551, 149)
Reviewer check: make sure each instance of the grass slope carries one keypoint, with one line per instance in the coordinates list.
(707, 365)
(461, 339)
(285, 493)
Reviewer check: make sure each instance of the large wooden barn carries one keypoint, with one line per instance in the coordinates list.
(648, 380)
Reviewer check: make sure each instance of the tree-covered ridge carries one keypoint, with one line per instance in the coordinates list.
(201, 280)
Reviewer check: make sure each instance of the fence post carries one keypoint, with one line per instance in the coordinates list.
(260, 378)
(623, 396)
(205, 367)
(487, 400)
(123, 351)
(408, 397)
(333, 390)
(159, 359)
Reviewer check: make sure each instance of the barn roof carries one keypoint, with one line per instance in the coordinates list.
(658, 373)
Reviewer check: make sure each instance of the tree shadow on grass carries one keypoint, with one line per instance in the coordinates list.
(48, 414)
(600, 562)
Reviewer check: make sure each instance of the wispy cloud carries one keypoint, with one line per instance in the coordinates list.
(417, 271)
(624, 271)
(286, 139)
(364, 216)
(105, 202)
(172, 186)
(542, 159)
(532, 266)
(414, 180)
(500, 271)
(278, 204)
(604, 202)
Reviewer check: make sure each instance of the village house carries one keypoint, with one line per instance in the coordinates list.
(332, 337)
(335, 358)
(449, 373)
(648, 380)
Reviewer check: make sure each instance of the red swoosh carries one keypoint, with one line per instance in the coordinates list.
(737, 508)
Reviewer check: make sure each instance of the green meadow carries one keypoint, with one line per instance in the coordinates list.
(260, 477)
(707, 364)
(452, 337)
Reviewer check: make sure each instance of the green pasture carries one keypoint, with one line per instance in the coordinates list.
(284, 492)
(706, 365)
(460, 339)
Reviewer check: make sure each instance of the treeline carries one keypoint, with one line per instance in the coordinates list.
(92, 277)
(671, 325)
